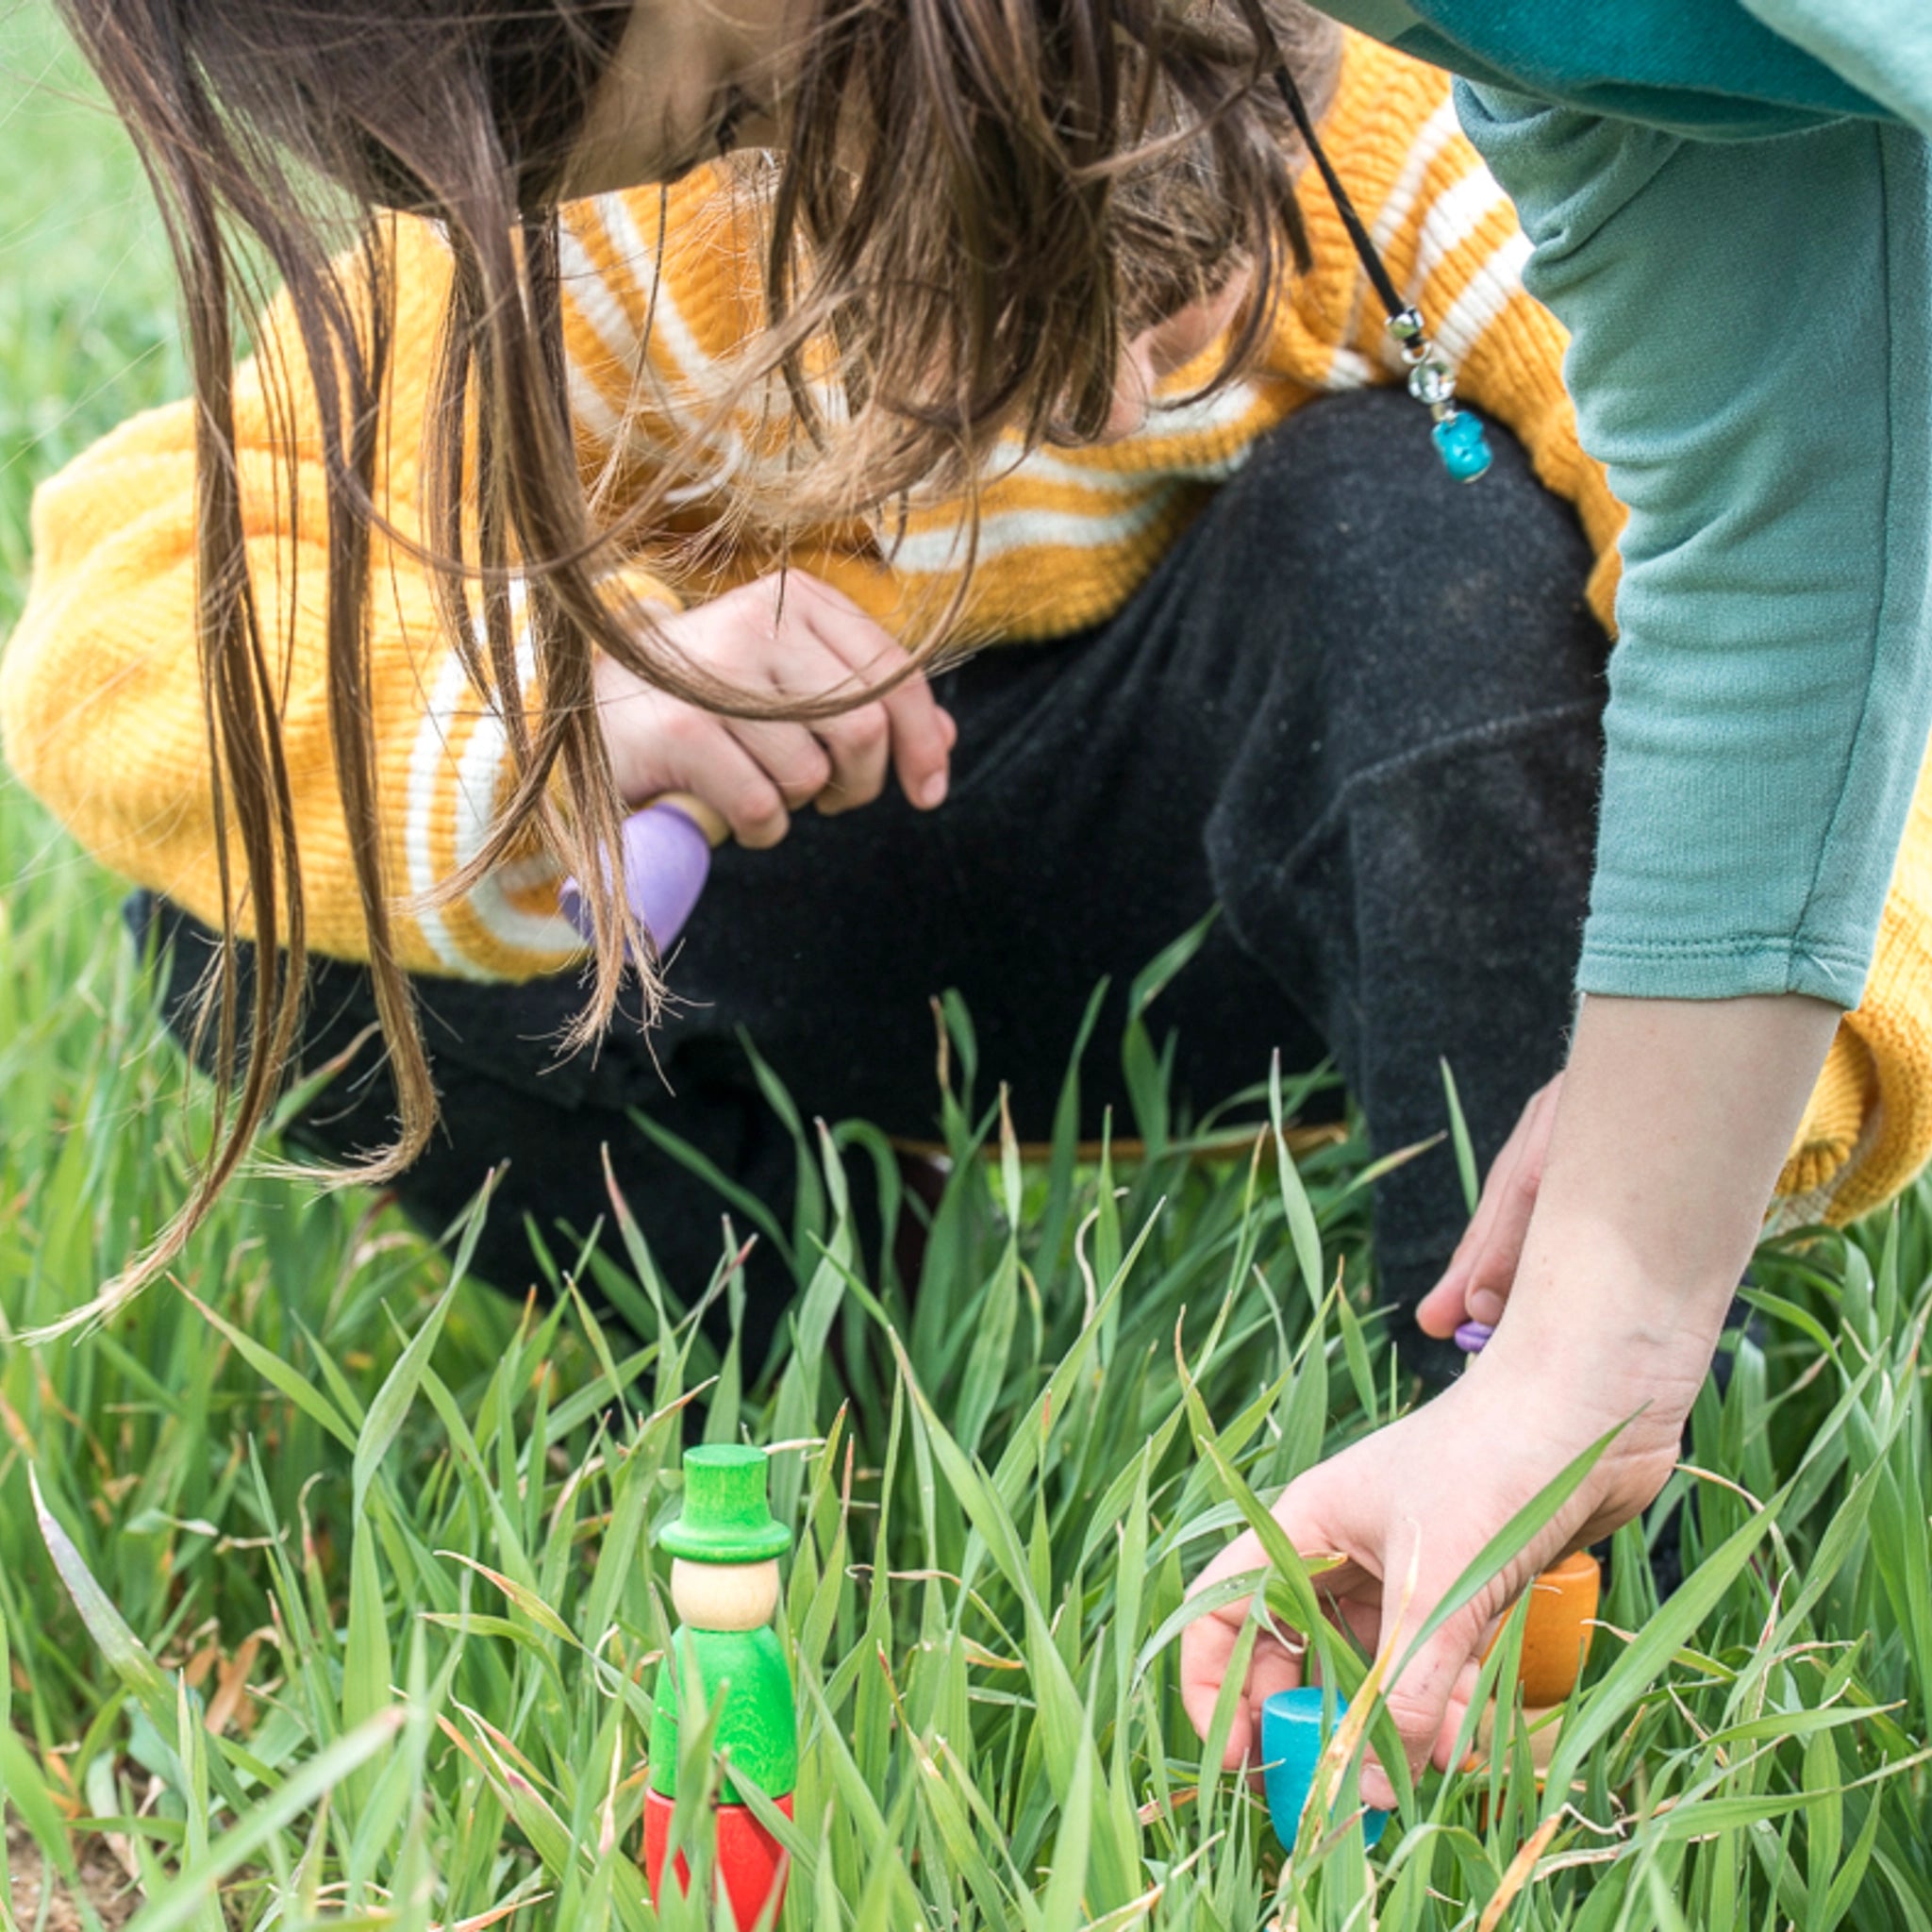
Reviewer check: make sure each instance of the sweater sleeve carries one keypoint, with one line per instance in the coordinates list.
(1454, 246)
(1751, 362)
(1749, 358)
(100, 695)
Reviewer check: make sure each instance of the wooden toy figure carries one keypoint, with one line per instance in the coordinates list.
(1291, 1742)
(724, 1550)
(1555, 1631)
(667, 859)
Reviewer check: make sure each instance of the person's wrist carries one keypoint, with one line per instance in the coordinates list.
(1594, 1320)
(1640, 1404)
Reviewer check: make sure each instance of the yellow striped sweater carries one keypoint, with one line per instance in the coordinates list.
(104, 655)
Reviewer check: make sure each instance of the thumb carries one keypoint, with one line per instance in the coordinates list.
(1431, 1689)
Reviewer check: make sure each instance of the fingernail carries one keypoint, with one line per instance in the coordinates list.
(1485, 1306)
(935, 790)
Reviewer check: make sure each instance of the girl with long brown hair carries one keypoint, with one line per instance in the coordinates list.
(548, 490)
(1020, 330)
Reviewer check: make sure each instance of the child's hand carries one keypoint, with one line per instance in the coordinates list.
(1476, 1284)
(795, 637)
(1408, 1509)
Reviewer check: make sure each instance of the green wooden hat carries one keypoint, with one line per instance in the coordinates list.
(726, 1517)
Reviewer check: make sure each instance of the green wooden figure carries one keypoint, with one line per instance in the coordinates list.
(724, 1549)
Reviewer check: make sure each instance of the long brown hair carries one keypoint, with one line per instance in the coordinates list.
(976, 202)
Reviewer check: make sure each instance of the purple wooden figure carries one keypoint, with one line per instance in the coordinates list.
(667, 858)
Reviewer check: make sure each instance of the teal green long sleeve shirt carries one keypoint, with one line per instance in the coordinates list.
(1731, 211)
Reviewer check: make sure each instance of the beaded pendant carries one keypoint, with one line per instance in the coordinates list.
(1459, 439)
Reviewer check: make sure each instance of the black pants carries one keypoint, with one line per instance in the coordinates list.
(1358, 706)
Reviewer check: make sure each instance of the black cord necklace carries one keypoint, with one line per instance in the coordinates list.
(1459, 438)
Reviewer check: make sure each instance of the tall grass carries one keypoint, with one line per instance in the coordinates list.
(327, 1594)
(341, 1614)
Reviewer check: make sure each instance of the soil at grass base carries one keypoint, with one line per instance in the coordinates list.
(103, 1885)
(103, 1882)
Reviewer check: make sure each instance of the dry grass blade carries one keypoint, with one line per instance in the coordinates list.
(1521, 1868)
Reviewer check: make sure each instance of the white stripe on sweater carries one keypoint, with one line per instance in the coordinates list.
(429, 760)
(1433, 135)
(929, 552)
(477, 776)
(1452, 219)
(1349, 369)
(597, 301)
(671, 334)
(1491, 290)
(482, 773)
(694, 374)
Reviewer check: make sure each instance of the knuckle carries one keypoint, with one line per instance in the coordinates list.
(1493, 1275)
(1414, 1715)
(739, 650)
(804, 781)
(683, 725)
(752, 615)
(760, 814)
(867, 728)
(746, 605)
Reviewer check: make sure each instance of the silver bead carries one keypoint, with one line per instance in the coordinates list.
(1405, 325)
(1431, 382)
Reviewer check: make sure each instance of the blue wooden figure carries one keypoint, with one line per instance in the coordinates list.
(1292, 1741)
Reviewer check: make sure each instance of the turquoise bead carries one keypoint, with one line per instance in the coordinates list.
(1292, 1741)
(1463, 447)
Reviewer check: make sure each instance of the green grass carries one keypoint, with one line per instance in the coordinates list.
(326, 1591)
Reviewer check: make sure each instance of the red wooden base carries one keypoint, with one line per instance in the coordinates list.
(749, 1858)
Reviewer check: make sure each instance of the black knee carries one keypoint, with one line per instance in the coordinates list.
(1404, 834)
(1421, 607)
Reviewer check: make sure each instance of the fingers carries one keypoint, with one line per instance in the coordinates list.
(796, 637)
(1208, 1644)
(693, 751)
(797, 763)
(1475, 1285)
(906, 727)
(1207, 1649)
(1427, 1699)
(1388, 1585)
(1492, 1267)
